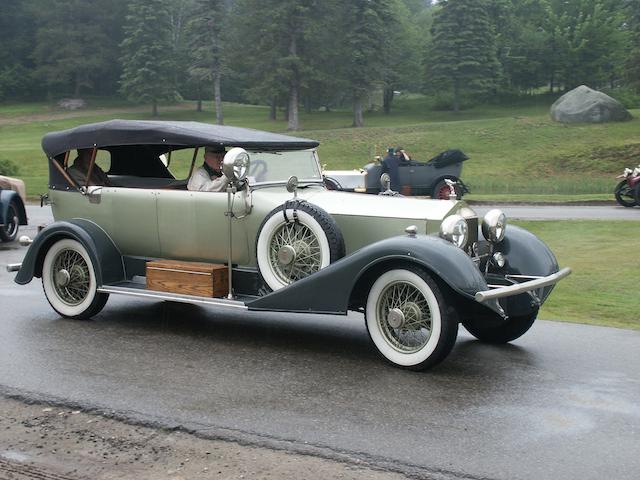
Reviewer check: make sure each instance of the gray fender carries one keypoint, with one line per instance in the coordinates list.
(6, 197)
(330, 289)
(526, 254)
(104, 255)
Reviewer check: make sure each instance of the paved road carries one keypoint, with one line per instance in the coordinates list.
(561, 402)
(564, 212)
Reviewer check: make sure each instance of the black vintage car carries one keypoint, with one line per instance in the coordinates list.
(413, 178)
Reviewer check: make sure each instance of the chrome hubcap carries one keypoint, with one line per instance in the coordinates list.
(62, 278)
(395, 319)
(286, 255)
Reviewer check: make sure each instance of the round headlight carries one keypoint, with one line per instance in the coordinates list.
(236, 164)
(494, 225)
(455, 230)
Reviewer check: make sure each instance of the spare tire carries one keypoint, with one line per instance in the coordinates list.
(296, 240)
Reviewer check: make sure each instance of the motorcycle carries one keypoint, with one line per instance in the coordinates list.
(627, 192)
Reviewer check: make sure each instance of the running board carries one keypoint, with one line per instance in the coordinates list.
(174, 297)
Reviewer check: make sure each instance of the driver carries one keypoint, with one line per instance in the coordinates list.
(209, 177)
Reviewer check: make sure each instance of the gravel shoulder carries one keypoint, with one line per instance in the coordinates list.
(38, 441)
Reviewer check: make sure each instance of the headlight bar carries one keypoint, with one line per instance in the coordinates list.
(523, 287)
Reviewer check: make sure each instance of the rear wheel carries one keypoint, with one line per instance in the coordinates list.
(69, 281)
(408, 320)
(624, 194)
(9, 231)
(513, 328)
(636, 193)
(442, 191)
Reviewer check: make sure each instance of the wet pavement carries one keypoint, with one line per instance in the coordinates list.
(561, 402)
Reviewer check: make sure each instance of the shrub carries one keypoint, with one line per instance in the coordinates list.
(8, 168)
(626, 96)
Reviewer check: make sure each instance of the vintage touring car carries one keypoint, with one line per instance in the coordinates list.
(278, 240)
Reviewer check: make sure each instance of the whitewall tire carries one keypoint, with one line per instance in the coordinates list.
(408, 320)
(69, 281)
(295, 241)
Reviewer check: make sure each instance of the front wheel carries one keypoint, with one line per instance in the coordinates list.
(408, 320)
(624, 194)
(9, 231)
(513, 328)
(69, 281)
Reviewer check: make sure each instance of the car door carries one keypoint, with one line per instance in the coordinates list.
(193, 226)
(134, 219)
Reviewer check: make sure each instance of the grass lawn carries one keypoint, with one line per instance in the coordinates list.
(602, 289)
(514, 150)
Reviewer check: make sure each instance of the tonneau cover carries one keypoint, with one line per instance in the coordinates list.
(173, 134)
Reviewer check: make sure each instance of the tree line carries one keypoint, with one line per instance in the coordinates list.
(310, 54)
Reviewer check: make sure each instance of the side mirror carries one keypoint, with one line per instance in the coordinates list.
(385, 181)
(292, 184)
(235, 165)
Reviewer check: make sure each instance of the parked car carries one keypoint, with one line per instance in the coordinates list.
(278, 240)
(12, 211)
(416, 178)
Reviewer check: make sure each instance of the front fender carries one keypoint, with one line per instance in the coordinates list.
(526, 254)
(104, 255)
(329, 290)
(6, 197)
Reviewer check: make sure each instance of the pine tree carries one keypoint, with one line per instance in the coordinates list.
(367, 30)
(632, 65)
(76, 50)
(463, 51)
(207, 48)
(147, 66)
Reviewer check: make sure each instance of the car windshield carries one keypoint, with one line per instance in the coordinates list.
(279, 166)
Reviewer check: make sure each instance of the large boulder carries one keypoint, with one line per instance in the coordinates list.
(584, 105)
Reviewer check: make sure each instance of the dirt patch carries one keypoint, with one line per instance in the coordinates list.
(53, 443)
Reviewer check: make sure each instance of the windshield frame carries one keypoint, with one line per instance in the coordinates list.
(267, 183)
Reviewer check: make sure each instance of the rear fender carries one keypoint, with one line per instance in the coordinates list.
(104, 255)
(331, 289)
(6, 197)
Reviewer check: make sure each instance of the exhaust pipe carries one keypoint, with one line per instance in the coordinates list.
(13, 267)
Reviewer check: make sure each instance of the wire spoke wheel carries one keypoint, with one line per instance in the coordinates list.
(295, 252)
(413, 329)
(408, 319)
(69, 280)
(295, 241)
(71, 277)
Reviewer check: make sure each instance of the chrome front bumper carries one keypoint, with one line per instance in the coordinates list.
(500, 292)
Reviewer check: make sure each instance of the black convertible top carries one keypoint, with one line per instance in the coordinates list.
(174, 135)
